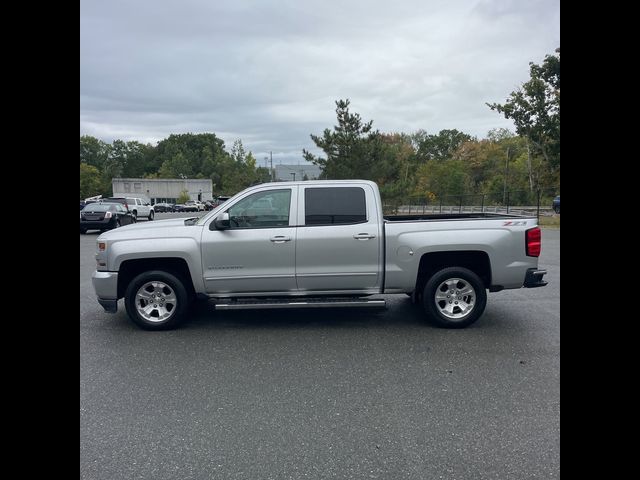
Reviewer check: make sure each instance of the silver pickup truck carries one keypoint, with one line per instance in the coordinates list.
(314, 244)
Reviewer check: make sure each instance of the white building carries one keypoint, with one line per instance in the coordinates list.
(167, 190)
(286, 173)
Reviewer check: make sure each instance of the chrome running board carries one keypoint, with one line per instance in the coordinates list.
(254, 304)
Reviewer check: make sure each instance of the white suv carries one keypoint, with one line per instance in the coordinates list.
(194, 205)
(139, 208)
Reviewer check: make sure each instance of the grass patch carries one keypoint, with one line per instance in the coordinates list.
(551, 222)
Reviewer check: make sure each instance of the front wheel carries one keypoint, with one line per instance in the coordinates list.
(156, 300)
(135, 215)
(151, 215)
(454, 297)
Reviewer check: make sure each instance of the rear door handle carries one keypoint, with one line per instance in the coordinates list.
(363, 236)
(280, 239)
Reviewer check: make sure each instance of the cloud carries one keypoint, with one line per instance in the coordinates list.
(269, 72)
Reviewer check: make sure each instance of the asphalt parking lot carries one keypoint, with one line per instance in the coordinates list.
(323, 394)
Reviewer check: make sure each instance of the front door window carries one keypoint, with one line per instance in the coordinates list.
(262, 210)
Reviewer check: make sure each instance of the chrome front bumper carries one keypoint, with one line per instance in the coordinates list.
(106, 286)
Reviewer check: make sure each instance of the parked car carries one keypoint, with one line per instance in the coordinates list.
(178, 207)
(164, 207)
(104, 216)
(322, 244)
(84, 203)
(135, 205)
(120, 200)
(192, 206)
(556, 204)
(140, 208)
(219, 201)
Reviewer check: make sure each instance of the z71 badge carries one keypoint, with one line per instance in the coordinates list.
(518, 223)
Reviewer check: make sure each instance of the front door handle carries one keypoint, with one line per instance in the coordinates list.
(280, 239)
(363, 236)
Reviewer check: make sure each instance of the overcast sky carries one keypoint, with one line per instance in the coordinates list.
(269, 72)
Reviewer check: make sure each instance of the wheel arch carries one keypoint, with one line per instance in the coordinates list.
(176, 266)
(475, 260)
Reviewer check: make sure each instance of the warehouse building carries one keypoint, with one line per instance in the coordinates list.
(286, 173)
(156, 190)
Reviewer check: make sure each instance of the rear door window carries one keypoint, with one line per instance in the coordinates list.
(334, 206)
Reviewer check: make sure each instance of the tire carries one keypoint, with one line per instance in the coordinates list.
(453, 315)
(556, 209)
(83, 231)
(150, 215)
(117, 224)
(156, 282)
(135, 215)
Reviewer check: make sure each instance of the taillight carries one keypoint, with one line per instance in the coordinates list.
(533, 238)
(107, 215)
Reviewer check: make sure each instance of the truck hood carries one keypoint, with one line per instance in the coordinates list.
(153, 229)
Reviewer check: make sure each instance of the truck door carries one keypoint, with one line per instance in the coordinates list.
(338, 244)
(257, 254)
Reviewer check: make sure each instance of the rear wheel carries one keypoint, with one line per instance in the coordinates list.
(156, 300)
(151, 215)
(83, 231)
(454, 297)
(135, 215)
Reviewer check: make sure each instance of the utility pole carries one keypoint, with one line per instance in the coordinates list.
(273, 176)
(506, 175)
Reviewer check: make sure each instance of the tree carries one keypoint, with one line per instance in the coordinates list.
(394, 168)
(438, 147)
(93, 151)
(350, 149)
(237, 151)
(90, 181)
(535, 111)
(439, 179)
(184, 196)
(177, 166)
(481, 160)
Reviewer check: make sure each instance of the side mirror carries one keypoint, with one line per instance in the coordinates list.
(221, 222)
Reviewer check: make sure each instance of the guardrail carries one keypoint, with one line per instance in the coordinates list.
(518, 202)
